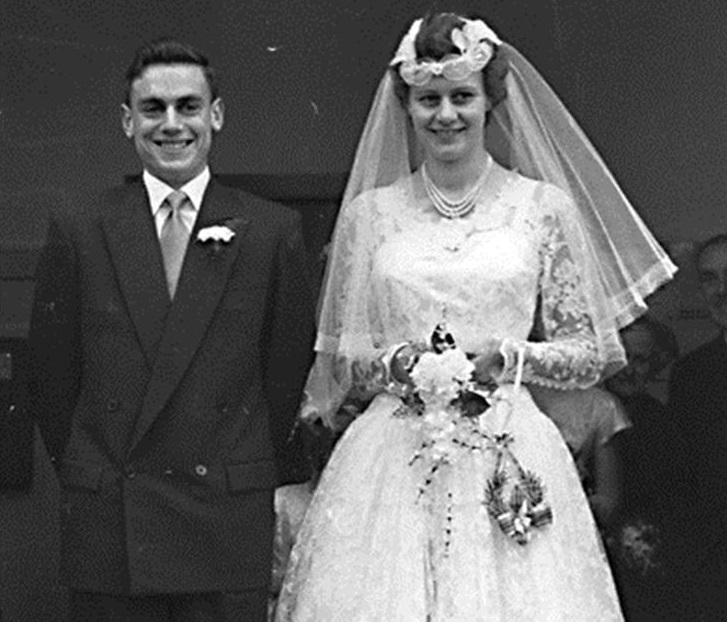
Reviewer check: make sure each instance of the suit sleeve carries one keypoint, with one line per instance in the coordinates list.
(288, 355)
(54, 340)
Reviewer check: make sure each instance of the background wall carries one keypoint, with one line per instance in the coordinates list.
(647, 80)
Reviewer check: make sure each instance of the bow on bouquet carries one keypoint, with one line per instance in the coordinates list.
(515, 497)
(451, 409)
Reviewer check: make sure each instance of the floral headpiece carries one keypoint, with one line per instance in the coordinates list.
(475, 40)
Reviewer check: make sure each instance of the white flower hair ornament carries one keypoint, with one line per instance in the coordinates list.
(476, 42)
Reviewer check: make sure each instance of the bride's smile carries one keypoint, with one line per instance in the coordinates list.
(449, 117)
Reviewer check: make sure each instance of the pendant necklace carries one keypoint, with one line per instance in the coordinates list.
(454, 209)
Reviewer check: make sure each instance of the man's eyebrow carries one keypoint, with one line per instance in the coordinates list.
(160, 101)
(190, 98)
(151, 100)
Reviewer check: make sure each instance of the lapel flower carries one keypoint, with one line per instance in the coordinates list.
(216, 237)
(216, 233)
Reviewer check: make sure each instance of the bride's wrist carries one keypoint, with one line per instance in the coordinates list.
(399, 361)
(491, 364)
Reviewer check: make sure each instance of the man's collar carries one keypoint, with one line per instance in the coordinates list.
(159, 190)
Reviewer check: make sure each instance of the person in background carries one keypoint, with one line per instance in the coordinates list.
(697, 403)
(170, 337)
(642, 544)
(590, 420)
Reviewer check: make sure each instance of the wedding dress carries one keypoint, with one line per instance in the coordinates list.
(377, 544)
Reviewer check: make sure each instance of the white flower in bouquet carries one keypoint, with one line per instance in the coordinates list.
(440, 427)
(440, 378)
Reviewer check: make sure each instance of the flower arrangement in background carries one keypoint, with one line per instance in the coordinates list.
(638, 545)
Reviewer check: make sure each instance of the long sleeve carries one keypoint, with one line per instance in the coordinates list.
(567, 357)
(351, 364)
(363, 378)
(287, 347)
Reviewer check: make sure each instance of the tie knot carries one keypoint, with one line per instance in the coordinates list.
(176, 199)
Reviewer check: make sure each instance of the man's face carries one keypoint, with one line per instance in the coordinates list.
(712, 269)
(171, 119)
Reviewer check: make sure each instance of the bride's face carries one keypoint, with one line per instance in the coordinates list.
(449, 117)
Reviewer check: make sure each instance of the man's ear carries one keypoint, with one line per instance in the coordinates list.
(127, 122)
(217, 111)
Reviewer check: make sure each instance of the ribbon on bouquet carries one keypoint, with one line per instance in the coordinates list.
(451, 415)
(516, 501)
(514, 496)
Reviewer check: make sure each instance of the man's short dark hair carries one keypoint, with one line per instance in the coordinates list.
(169, 52)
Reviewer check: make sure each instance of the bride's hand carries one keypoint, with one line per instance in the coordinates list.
(489, 363)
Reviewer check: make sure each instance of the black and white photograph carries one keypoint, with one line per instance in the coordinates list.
(324, 311)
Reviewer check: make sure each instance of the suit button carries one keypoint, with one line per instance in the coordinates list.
(200, 470)
(129, 473)
(112, 405)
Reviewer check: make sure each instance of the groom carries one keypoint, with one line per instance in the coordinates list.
(170, 339)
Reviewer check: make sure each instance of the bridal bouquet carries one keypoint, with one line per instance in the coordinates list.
(450, 410)
(444, 401)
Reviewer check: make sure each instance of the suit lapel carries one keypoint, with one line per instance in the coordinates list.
(201, 285)
(135, 253)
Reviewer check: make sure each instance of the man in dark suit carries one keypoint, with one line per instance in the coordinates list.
(698, 410)
(170, 339)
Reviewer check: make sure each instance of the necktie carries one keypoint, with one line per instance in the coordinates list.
(174, 237)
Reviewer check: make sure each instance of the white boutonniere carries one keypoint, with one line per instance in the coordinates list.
(216, 237)
(217, 233)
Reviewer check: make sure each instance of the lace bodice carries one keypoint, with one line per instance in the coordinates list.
(504, 272)
(487, 274)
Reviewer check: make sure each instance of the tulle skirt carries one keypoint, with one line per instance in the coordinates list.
(372, 548)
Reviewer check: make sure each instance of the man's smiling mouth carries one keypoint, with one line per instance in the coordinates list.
(173, 144)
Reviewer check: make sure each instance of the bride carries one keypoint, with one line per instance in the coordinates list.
(476, 212)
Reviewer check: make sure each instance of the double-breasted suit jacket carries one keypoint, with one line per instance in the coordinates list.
(170, 422)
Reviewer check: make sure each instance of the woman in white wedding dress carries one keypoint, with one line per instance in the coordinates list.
(436, 226)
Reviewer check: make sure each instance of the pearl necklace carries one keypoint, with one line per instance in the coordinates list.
(447, 207)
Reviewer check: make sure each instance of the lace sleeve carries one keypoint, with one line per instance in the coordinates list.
(568, 357)
(352, 352)
(352, 357)
(368, 377)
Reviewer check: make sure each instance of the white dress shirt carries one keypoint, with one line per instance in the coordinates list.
(158, 191)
